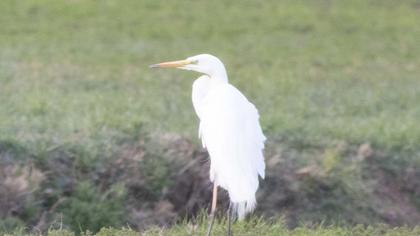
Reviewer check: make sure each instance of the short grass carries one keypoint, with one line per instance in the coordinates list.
(255, 227)
(74, 79)
(76, 71)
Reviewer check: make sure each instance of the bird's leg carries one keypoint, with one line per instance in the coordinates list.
(213, 210)
(229, 215)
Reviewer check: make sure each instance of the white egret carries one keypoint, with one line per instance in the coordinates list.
(230, 131)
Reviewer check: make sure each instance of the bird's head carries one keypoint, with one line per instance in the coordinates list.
(202, 63)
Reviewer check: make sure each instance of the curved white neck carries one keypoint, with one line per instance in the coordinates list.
(220, 76)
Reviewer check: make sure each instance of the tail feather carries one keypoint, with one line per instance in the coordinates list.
(243, 208)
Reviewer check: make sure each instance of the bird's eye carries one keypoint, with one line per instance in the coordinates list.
(195, 62)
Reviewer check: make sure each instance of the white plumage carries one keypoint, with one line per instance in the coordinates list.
(229, 129)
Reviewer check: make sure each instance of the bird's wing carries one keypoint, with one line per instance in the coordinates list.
(231, 132)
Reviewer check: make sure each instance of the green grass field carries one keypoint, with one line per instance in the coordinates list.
(75, 85)
(250, 229)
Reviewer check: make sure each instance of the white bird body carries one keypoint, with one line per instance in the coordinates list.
(230, 131)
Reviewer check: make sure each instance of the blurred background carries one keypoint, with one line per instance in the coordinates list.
(91, 137)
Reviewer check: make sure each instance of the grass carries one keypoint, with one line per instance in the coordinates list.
(76, 72)
(253, 227)
(75, 88)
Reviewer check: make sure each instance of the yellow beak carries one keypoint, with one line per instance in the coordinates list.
(171, 64)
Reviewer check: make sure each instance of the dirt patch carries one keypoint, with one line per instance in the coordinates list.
(17, 183)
